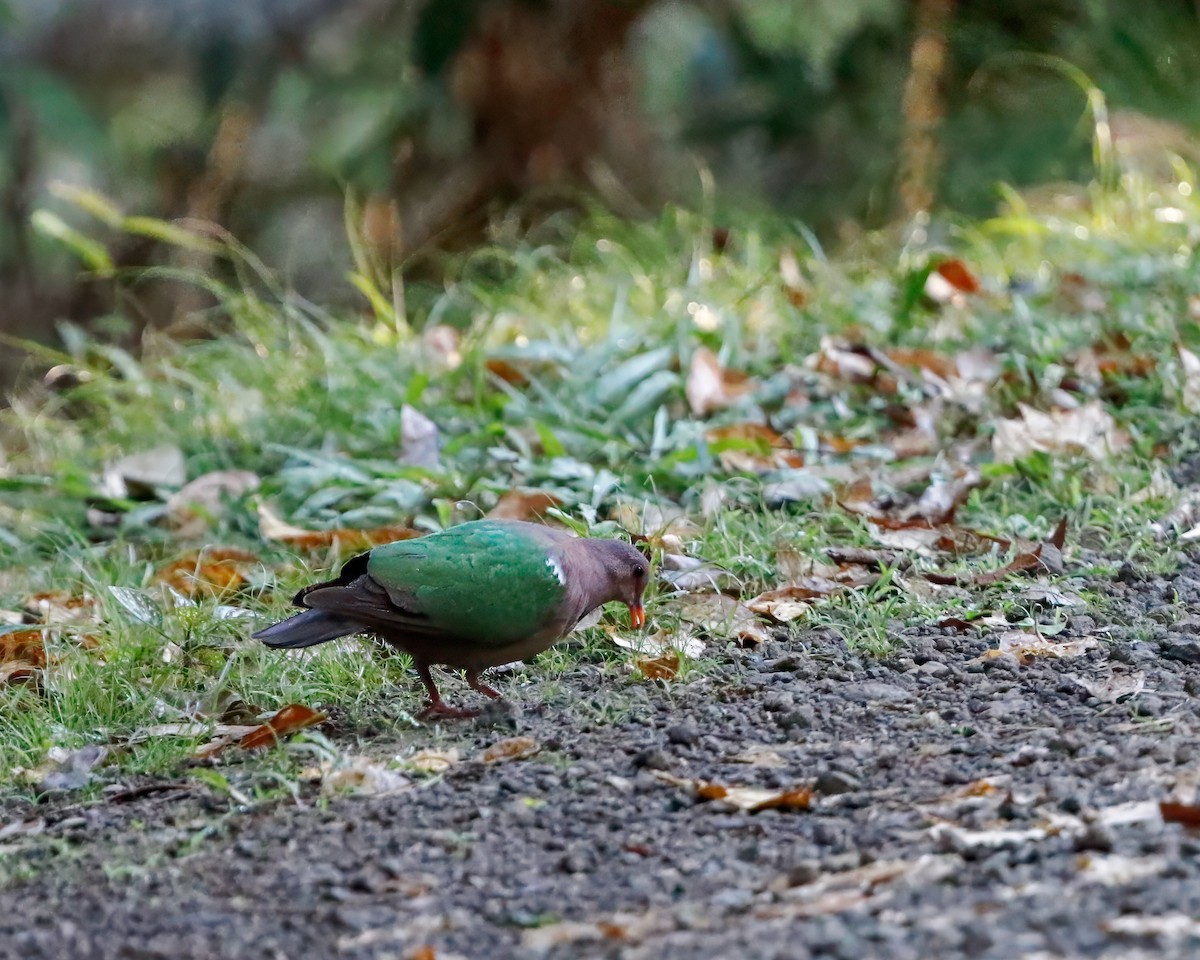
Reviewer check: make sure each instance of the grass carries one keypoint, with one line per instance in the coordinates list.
(601, 320)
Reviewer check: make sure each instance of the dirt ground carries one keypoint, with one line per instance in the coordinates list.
(962, 806)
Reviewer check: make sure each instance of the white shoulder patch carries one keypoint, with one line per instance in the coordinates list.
(556, 567)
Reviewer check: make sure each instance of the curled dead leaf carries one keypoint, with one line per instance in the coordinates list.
(511, 748)
(289, 719)
(743, 798)
(710, 386)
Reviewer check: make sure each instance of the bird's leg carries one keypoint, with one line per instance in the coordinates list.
(437, 707)
(475, 683)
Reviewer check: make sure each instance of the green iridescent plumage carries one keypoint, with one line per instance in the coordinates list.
(473, 596)
(484, 581)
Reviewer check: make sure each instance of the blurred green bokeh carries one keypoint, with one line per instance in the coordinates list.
(261, 115)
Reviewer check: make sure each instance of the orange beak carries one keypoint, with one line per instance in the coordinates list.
(637, 615)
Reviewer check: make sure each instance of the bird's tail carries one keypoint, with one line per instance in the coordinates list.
(307, 629)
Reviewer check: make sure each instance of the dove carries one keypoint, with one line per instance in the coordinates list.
(472, 596)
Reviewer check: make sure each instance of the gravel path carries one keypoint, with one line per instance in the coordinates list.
(962, 805)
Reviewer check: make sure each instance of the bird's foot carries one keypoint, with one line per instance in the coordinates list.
(439, 708)
(475, 683)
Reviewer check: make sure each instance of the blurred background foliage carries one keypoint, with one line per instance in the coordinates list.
(334, 135)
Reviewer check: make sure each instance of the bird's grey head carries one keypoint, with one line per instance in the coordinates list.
(624, 573)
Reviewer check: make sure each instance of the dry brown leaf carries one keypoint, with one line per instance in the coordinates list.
(853, 364)
(506, 371)
(958, 275)
(1026, 560)
(511, 748)
(1174, 812)
(192, 508)
(212, 571)
(524, 505)
(271, 527)
(60, 607)
(743, 798)
(1027, 645)
(17, 671)
(1086, 431)
(27, 647)
(289, 719)
(662, 667)
(792, 600)
(720, 615)
(712, 387)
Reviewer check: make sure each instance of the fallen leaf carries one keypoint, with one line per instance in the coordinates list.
(720, 615)
(690, 574)
(511, 748)
(431, 761)
(792, 601)
(954, 839)
(661, 642)
(712, 387)
(58, 607)
(271, 527)
(140, 476)
(524, 505)
(26, 647)
(418, 440)
(289, 719)
(957, 275)
(1085, 431)
(1026, 645)
(209, 572)
(752, 448)
(360, 775)
(192, 509)
(854, 364)
(1187, 814)
(1111, 689)
(743, 798)
(662, 667)
(1027, 560)
(191, 730)
(17, 671)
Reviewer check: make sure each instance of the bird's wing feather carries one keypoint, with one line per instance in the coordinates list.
(486, 583)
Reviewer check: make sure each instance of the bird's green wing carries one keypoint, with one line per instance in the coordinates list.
(491, 583)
